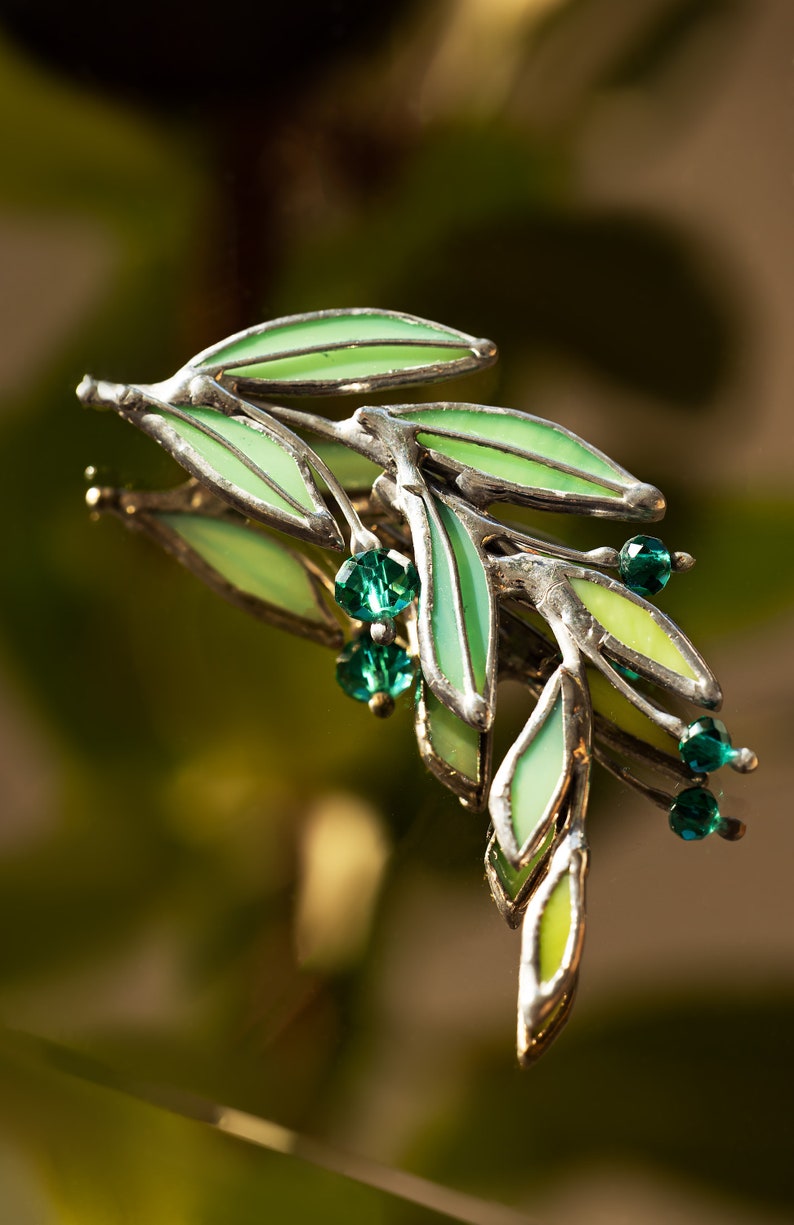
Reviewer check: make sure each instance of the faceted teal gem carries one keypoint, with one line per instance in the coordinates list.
(365, 668)
(706, 745)
(644, 564)
(375, 585)
(694, 814)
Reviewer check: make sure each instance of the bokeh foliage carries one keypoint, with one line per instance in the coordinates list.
(149, 897)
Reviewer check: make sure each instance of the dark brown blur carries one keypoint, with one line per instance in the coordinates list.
(218, 875)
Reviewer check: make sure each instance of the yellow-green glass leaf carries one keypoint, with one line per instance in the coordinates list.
(452, 740)
(607, 701)
(513, 879)
(267, 454)
(555, 927)
(537, 774)
(475, 593)
(512, 468)
(632, 625)
(515, 430)
(251, 561)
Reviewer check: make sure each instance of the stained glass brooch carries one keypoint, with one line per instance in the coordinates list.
(440, 596)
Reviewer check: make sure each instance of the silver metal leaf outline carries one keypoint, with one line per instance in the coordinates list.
(318, 528)
(576, 750)
(511, 907)
(602, 648)
(142, 511)
(470, 704)
(471, 792)
(543, 583)
(637, 501)
(483, 353)
(543, 1007)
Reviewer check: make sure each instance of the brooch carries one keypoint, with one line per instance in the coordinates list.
(441, 596)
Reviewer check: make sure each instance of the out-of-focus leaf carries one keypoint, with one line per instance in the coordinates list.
(739, 541)
(648, 52)
(622, 294)
(109, 1153)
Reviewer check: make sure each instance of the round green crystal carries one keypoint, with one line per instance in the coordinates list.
(644, 564)
(706, 745)
(694, 814)
(365, 668)
(376, 585)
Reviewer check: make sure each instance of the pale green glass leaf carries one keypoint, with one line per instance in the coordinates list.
(333, 351)
(267, 454)
(537, 774)
(241, 562)
(456, 753)
(474, 589)
(505, 455)
(457, 624)
(250, 561)
(454, 741)
(639, 626)
(517, 430)
(531, 785)
(265, 477)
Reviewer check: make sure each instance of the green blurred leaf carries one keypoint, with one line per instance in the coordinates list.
(620, 293)
(103, 1152)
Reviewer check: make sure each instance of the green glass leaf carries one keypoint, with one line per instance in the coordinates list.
(530, 788)
(504, 455)
(551, 944)
(610, 704)
(456, 753)
(555, 929)
(251, 569)
(347, 350)
(511, 887)
(642, 638)
(262, 474)
(457, 621)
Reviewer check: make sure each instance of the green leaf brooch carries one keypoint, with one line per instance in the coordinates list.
(443, 598)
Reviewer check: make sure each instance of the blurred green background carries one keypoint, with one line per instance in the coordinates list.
(220, 877)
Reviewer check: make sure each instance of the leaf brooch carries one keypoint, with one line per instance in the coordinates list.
(444, 597)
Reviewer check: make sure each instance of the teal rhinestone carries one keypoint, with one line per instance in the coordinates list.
(365, 668)
(694, 814)
(706, 745)
(644, 565)
(376, 585)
